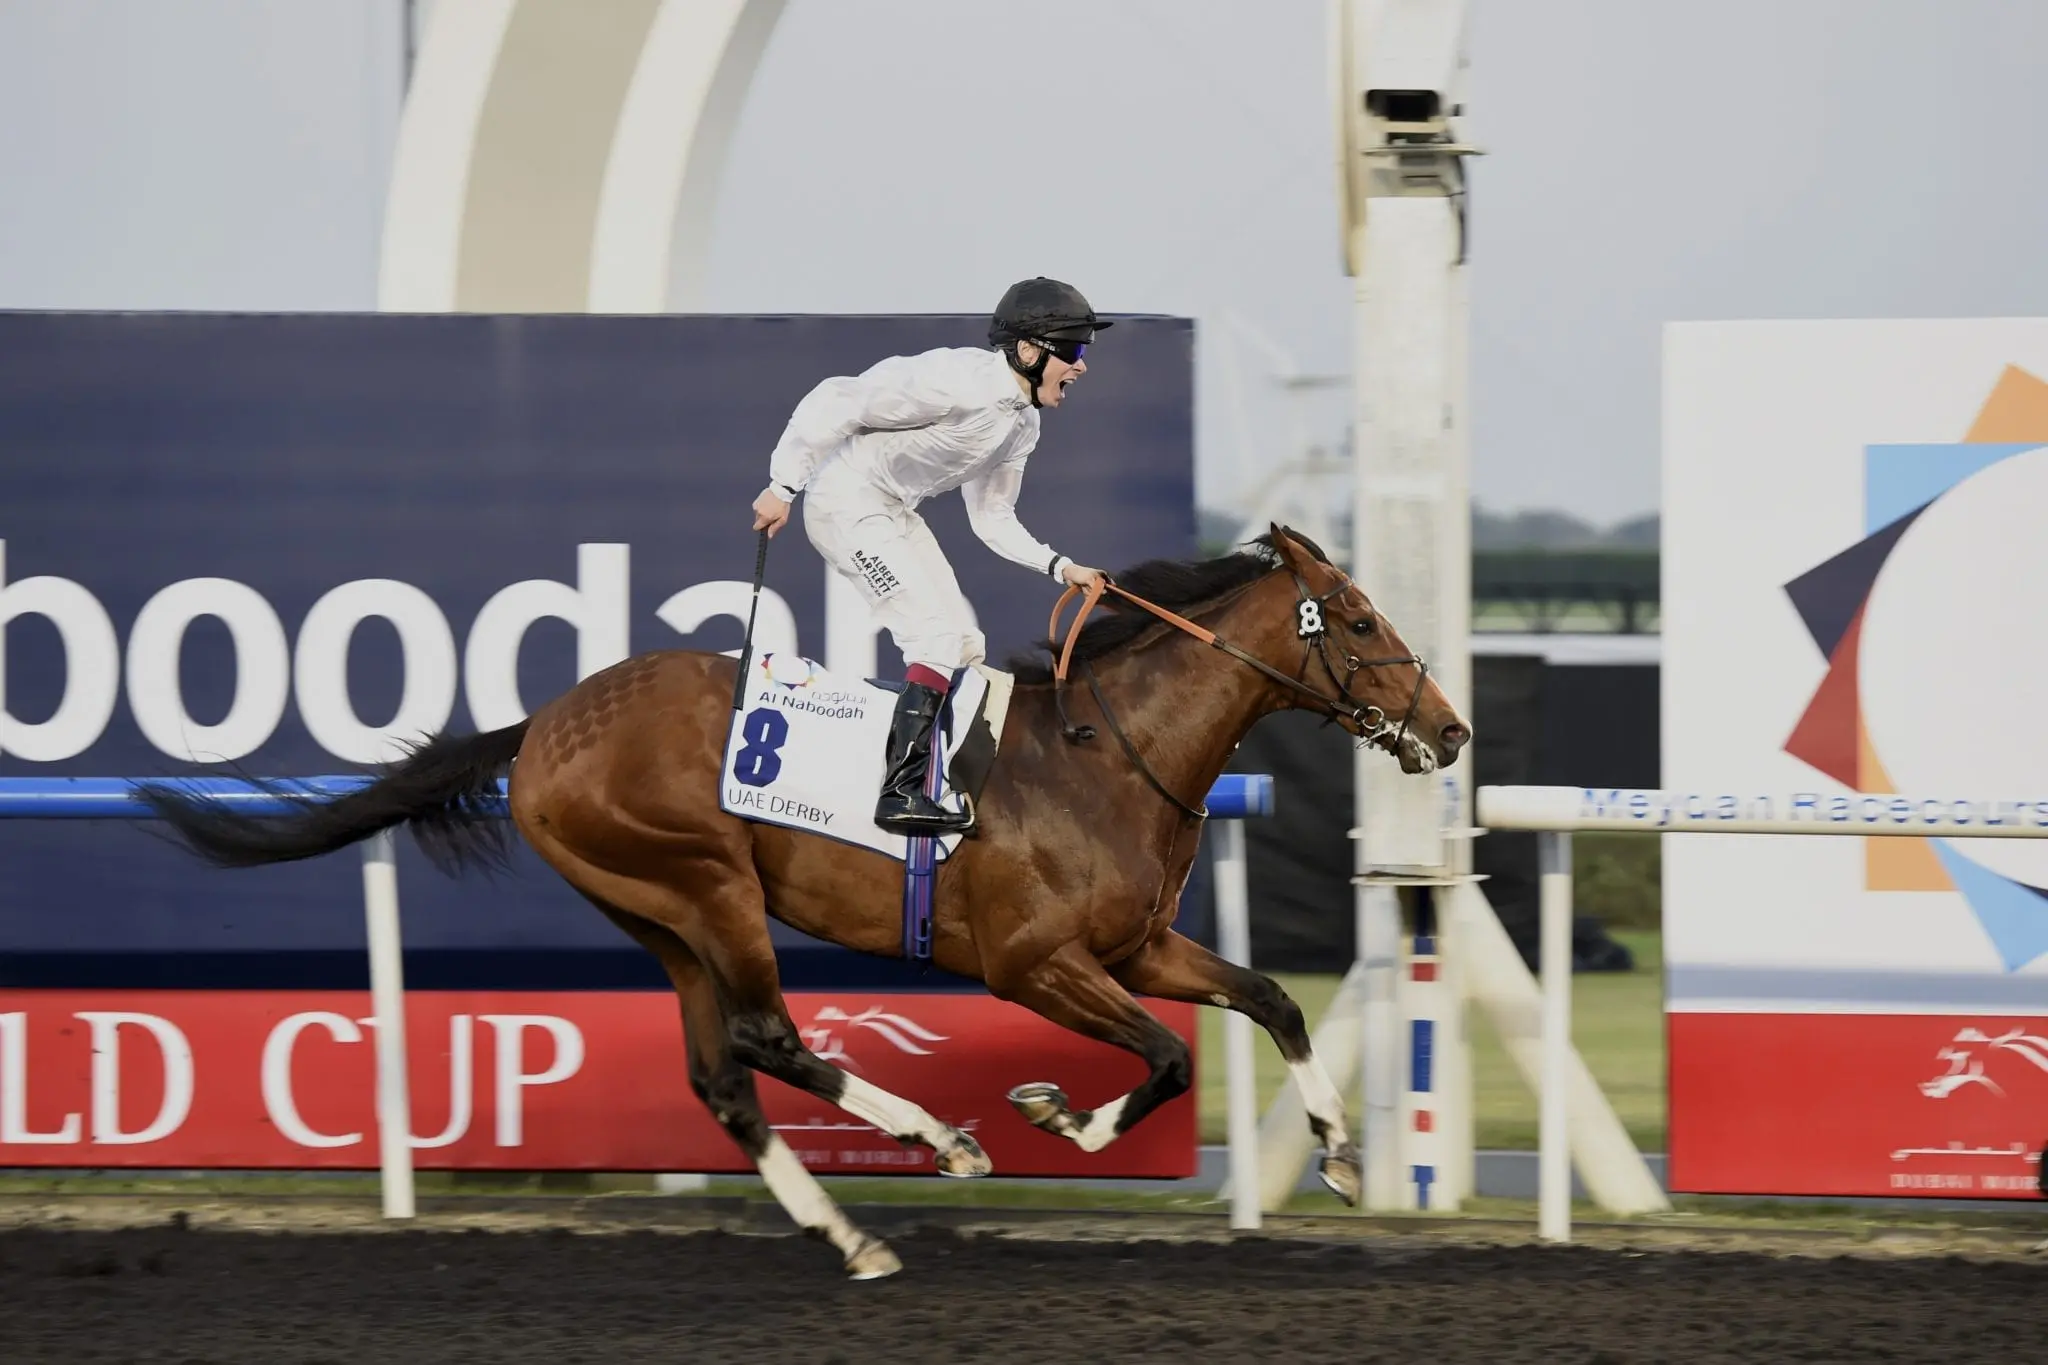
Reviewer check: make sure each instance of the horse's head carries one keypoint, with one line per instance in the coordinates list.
(1380, 690)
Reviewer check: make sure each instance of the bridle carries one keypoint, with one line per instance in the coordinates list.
(1310, 626)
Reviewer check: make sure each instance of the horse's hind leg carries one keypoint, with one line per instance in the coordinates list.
(724, 923)
(727, 1089)
(764, 1037)
(1178, 968)
(1074, 991)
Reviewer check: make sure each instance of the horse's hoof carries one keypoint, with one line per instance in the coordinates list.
(1042, 1104)
(965, 1160)
(1344, 1173)
(872, 1260)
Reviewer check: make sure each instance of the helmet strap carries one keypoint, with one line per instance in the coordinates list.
(1034, 373)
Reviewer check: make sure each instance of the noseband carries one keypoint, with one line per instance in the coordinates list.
(1310, 626)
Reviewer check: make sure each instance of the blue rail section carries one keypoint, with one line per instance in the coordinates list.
(1236, 796)
(807, 964)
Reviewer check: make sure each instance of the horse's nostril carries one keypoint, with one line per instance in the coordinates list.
(1454, 736)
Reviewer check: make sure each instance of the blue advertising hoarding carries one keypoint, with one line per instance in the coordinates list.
(277, 538)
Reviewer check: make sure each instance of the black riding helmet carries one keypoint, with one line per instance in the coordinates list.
(1040, 309)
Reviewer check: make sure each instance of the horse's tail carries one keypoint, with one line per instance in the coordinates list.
(446, 789)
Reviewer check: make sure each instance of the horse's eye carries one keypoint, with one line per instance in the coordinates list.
(1363, 627)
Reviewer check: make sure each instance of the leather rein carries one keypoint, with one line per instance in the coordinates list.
(1310, 626)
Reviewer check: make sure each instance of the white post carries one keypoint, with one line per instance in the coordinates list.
(1398, 80)
(387, 997)
(1379, 1049)
(1234, 937)
(1554, 1168)
(1456, 1159)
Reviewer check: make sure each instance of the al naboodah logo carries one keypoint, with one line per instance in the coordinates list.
(1990, 477)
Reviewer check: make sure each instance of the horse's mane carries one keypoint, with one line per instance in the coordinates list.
(1182, 586)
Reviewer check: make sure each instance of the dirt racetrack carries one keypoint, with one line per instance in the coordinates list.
(188, 1294)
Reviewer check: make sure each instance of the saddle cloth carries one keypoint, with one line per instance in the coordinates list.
(807, 749)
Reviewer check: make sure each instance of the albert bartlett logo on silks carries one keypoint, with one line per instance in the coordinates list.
(1924, 626)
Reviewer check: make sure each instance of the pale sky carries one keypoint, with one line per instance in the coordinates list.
(1647, 162)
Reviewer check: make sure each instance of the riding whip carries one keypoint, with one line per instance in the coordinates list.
(739, 686)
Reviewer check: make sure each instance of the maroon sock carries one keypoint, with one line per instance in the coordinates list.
(928, 677)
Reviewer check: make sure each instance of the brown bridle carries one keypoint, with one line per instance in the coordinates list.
(1310, 626)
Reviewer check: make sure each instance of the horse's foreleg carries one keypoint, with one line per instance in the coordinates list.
(1072, 990)
(1177, 968)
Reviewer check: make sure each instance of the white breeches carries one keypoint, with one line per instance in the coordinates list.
(887, 552)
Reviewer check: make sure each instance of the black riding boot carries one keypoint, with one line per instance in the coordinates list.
(904, 808)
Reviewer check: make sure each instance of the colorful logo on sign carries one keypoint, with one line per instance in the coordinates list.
(1926, 624)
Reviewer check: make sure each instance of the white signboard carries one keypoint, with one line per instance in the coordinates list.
(1855, 600)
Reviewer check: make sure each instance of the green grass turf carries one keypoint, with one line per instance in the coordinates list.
(1617, 1022)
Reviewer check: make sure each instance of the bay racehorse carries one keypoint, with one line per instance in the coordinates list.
(1063, 901)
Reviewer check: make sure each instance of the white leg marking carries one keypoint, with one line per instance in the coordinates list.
(893, 1114)
(803, 1198)
(1319, 1097)
(1100, 1130)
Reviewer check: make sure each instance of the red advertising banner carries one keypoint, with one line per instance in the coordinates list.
(1949, 1106)
(530, 1081)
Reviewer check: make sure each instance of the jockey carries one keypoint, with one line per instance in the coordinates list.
(866, 451)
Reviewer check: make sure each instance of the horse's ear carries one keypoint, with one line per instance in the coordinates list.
(1292, 552)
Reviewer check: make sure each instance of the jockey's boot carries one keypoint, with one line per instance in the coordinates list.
(904, 808)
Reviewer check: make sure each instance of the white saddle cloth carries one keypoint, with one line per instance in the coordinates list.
(806, 749)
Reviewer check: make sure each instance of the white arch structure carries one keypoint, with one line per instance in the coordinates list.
(556, 156)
